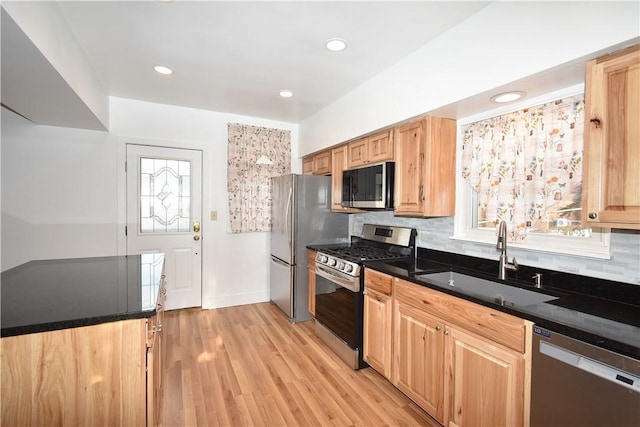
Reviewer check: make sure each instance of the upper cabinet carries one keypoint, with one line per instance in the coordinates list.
(425, 156)
(612, 141)
(373, 149)
(338, 164)
(317, 164)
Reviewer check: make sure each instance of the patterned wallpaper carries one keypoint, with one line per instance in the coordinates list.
(435, 233)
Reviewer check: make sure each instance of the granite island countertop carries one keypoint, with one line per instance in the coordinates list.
(47, 295)
(600, 312)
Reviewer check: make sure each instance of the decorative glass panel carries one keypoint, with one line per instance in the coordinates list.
(165, 195)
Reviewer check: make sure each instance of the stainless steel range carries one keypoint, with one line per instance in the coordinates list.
(340, 281)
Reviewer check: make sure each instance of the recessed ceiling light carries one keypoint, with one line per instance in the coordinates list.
(286, 93)
(507, 97)
(162, 69)
(336, 45)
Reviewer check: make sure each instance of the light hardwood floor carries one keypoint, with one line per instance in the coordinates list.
(248, 366)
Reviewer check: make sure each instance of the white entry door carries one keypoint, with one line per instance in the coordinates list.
(164, 191)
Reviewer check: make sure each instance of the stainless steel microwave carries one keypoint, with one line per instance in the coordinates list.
(369, 187)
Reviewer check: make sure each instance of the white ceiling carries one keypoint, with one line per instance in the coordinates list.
(236, 56)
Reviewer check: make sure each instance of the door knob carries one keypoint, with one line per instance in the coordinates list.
(196, 237)
(196, 226)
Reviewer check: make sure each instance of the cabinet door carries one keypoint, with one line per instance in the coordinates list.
(338, 164)
(312, 283)
(485, 382)
(381, 147)
(425, 167)
(154, 366)
(612, 141)
(358, 153)
(322, 163)
(419, 358)
(409, 185)
(377, 331)
(307, 165)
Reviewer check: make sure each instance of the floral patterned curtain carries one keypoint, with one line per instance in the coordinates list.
(254, 155)
(525, 165)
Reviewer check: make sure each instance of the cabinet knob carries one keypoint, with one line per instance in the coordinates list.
(446, 332)
(438, 327)
(593, 215)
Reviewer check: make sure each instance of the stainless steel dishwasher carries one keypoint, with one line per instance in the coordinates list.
(577, 384)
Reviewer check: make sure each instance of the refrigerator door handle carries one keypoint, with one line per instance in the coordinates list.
(279, 261)
(287, 223)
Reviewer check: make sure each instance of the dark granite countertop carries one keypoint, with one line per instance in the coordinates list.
(48, 295)
(600, 312)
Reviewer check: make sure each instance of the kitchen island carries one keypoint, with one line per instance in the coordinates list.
(81, 342)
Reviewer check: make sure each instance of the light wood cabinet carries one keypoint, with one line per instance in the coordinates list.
(425, 157)
(418, 369)
(311, 306)
(339, 164)
(92, 375)
(104, 374)
(377, 321)
(317, 164)
(155, 351)
(463, 363)
(612, 141)
(484, 382)
(372, 149)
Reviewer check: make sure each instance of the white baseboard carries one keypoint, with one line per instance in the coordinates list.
(233, 300)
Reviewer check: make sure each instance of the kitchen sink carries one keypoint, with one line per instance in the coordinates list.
(486, 290)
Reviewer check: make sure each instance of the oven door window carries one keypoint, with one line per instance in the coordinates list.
(336, 309)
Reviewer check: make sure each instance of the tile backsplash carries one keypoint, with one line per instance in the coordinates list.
(435, 233)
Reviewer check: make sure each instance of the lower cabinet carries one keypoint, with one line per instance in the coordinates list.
(101, 375)
(485, 384)
(311, 298)
(91, 376)
(463, 363)
(419, 358)
(377, 337)
(377, 333)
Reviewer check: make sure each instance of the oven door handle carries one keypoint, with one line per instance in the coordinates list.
(348, 282)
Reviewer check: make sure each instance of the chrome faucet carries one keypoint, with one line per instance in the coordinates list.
(501, 245)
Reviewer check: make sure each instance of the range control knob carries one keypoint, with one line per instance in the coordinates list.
(341, 265)
(348, 268)
(323, 259)
(332, 262)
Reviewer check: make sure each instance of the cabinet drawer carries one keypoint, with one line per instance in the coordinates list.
(377, 281)
(495, 325)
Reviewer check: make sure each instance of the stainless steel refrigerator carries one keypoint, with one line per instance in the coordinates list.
(301, 215)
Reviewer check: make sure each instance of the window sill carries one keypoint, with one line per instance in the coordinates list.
(597, 247)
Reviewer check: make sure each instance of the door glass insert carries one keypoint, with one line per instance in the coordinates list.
(165, 195)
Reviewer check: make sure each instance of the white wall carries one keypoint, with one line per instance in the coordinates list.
(502, 43)
(235, 266)
(58, 192)
(63, 192)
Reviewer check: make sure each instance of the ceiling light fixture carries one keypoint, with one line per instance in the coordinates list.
(507, 97)
(162, 69)
(336, 45)
(286, 93)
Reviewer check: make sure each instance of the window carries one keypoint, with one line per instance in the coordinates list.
(524, 166)
(255, 154)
